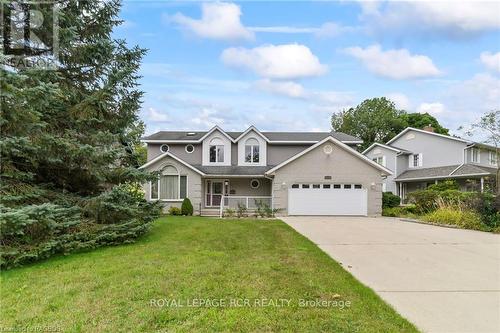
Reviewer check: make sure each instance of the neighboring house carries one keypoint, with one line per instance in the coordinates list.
(419, 158)
(296, 172)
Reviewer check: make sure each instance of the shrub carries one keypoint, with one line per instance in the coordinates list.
(457, 216)
(241, 211)
(228, 212)
(404, 211)
(390, 200)
(187, 207)
(424, 200)
(173, 210)
(448, 184)
(34, 232)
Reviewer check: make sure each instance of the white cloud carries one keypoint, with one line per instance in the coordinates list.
(208, 118)
(452, 18)
(401, 100)
(491, 60)
(156, 116)
(321, 99)
(219, 20)
(327, 29)
(288, 61)
(287, 88)
(431, 108)
(394, 64)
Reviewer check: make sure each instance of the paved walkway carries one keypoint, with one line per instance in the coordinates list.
(441, 279)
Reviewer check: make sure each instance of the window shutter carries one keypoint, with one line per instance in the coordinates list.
(420, 159)
(383, 161)
(410, 161)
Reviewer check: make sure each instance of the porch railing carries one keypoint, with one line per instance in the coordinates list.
(249, 203)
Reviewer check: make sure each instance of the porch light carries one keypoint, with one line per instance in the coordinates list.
(226, 182)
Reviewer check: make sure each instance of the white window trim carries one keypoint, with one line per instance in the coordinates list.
(251, 154)
(217, 147)
(493, 158)
(255, 180)
(186, 148)
(411, 161)
(478, 155)
(179, 175)
(168, 148)
(382, 162)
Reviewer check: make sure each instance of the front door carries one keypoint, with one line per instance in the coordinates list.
(214, 191)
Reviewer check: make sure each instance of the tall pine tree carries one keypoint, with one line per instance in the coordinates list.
(68, 163)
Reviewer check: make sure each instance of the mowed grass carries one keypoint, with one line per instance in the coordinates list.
(189, 258)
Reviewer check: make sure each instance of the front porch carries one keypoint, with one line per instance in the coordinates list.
(233, 192)
(475, 184)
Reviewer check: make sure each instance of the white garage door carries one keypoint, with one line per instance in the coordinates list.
(327, 199)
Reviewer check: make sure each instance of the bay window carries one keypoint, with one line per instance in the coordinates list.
(169, 186)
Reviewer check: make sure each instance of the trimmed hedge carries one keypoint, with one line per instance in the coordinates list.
(390, 200)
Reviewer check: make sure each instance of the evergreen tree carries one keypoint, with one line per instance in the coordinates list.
(68, 138)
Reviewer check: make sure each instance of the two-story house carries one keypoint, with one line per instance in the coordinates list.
(420, 157)
(298, 173)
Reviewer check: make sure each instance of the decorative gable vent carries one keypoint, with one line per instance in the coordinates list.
(191, 134)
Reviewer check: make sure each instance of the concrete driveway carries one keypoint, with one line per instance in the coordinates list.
(441, 279)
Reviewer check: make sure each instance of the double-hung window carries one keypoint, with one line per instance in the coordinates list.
(493, 158)
(380, 160)
(216, 151)
(415, 160)
(475, 155)
(169, 186)
(252, 149)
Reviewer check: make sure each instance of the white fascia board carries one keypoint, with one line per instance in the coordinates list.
(426, 132)
(251, 128)
(338, 143)
(442, 177)
(380, 145)
(156, 159)
(215, 128)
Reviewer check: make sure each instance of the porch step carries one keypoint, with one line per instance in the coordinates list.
(210, 212)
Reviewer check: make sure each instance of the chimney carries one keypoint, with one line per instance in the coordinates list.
(428, 128)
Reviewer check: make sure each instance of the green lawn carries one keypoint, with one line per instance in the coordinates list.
(110, 289)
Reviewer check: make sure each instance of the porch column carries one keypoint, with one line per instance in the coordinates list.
(482, 184)
(401, 190)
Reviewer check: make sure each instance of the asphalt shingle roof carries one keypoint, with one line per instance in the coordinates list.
(233, 170)
(272, 136)
(445, 171)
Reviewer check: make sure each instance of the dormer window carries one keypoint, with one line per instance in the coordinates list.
(252, 149)
(216, 151)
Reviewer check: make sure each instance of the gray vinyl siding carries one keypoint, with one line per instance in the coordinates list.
(390, 160)
(484, 157)
(437, 151)
(193, 183)
(178, 150)
(277, 154)
(340, 165)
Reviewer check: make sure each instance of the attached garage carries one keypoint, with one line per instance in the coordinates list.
(328, 178)
(327, 199)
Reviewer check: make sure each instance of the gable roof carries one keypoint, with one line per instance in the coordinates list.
(426, 132)
(272, 137)
(251, 128)
(159, 157)
(338, 143)
(217, 128)
(397, 150)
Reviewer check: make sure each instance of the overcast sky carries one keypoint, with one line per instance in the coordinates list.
(290, 65)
